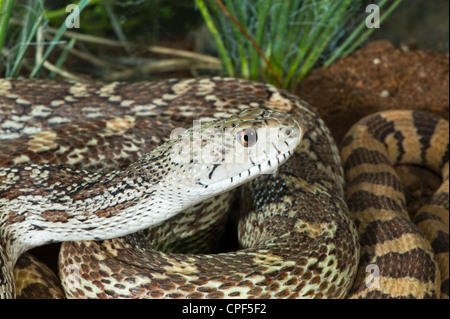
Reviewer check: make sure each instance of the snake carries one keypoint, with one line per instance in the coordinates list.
(322, 224)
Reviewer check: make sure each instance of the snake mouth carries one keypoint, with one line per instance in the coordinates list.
(264, 168)
(269, 167)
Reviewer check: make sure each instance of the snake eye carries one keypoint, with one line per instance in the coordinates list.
(247, 137)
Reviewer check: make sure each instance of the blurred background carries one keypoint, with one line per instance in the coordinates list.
(271, 40)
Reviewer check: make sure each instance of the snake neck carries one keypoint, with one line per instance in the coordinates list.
(41, 204)
(52, 204)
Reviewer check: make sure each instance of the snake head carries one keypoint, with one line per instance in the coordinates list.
(219, 155)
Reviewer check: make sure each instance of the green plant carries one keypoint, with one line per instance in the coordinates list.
(280, 41)
(35, 40)
(27, 32)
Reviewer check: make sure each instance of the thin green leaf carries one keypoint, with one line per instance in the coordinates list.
(62, 58)
(263, 10)
(215, 33)
(81, 5)
(5, 14)
(32, 21)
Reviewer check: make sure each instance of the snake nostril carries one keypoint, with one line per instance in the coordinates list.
(286, 131)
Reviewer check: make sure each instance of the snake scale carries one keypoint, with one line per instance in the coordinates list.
(306, 230)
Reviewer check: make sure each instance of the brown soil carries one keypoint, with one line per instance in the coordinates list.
(374, 78)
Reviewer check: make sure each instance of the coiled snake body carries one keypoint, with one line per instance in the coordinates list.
(298, 237)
